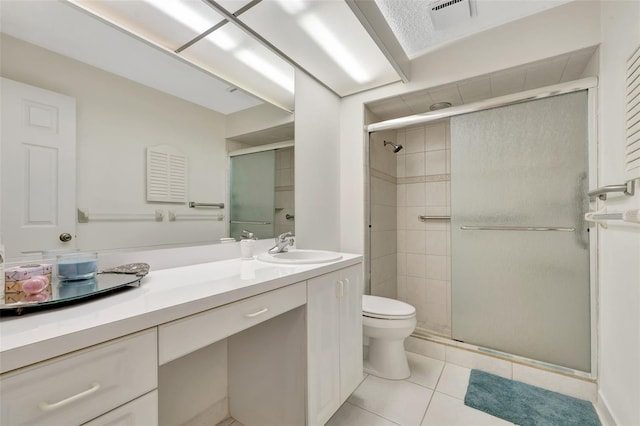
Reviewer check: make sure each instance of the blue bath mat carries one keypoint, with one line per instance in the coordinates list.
(526, 405)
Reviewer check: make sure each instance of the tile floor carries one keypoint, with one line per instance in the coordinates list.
(432, 395)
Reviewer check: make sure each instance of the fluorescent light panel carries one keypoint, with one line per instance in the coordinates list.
(263, 66)
(183, 13)
(326, 39)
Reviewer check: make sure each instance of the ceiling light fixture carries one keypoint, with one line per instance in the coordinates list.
(325, 38)
(221, 39)
(439, 105)
(265, 68)
(292, 7)
(181, 12)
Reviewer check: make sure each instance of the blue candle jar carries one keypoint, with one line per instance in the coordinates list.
(77, 266)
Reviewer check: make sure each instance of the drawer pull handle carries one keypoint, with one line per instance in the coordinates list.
(255, 314)
(49, 407)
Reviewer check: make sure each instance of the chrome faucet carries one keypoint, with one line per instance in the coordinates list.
(283, 241)
(246, 235)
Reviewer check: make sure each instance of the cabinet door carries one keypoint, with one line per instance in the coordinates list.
(350, 330)
(323, 349)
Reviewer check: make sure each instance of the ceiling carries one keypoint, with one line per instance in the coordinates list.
(534, 75)
(418, 32)
(204, 50)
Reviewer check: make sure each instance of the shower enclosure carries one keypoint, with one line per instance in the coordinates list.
(491, 245)
(519, 242)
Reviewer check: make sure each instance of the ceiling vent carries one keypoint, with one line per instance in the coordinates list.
(449, 13)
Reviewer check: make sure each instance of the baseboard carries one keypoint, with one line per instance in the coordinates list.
(606, 417)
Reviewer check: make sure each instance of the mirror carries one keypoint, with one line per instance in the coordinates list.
(119, 119)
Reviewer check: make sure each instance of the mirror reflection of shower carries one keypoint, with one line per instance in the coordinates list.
(396, 148)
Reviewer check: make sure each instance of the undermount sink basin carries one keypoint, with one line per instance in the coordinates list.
(300, 257)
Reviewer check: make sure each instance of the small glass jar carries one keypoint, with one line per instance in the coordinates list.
(77, 266)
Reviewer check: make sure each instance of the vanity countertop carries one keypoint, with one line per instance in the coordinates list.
(165, 295)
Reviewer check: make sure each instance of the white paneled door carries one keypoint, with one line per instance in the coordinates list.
(38, 160)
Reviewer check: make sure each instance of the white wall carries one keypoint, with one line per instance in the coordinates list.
(317, 170)
(619, 246)
(553, 32)
(116, 120)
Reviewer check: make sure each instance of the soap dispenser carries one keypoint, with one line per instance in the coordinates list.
(246, 244)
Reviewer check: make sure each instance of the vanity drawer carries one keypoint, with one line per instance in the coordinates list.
(188, 334)
(78, 387)
(141, 411)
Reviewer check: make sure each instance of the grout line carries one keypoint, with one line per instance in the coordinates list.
(371, 412)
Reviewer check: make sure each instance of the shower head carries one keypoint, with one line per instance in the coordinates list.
(396, 148)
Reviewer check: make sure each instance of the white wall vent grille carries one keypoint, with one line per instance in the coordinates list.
(632, 159)
(449, 13)
(166, 175)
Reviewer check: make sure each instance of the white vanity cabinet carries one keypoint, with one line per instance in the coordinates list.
(292, 340)
(334, 341)
(83, 385)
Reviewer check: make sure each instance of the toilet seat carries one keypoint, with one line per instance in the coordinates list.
(385, 308)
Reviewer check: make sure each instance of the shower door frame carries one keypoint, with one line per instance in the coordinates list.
(591, 86)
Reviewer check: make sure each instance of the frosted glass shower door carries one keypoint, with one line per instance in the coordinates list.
(520, 246)
(253, 194)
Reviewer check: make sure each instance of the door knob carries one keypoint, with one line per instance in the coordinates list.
(65, 237)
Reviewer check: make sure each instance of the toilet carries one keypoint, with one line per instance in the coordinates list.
(386, 323)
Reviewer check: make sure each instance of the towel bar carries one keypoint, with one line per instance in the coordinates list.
(626, 188)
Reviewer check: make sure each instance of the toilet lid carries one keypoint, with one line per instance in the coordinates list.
(383, 307)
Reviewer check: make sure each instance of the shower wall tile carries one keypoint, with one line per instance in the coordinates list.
(436, 137)
(436, 242)
(383, 217)
(401, 218)
(436, 194)
(416, 194)
(401, 260)
(416, 242)
(436, 267)
(416, 265)
(401, 239)
(415, 293)
(414, 140)
(402, 287)
(436, 162)
(436, 316)
(401, 168)
(401, 195)
(423, 278)
(436, 290)
(415, 164)
(383, 243)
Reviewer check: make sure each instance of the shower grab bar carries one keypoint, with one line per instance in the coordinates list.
(193, 205)
(626, 188)
(250, 222)
(516, 228)
(424, 218)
